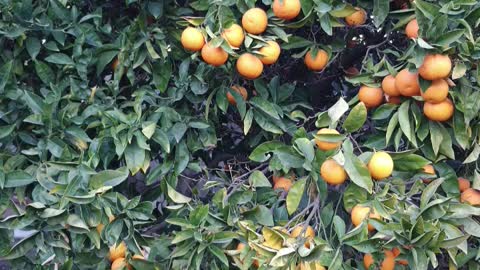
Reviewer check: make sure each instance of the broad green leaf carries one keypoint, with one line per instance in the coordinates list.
(108, 178)
(404, 120)
(357, 171)
(409, 162)
(33, 46)
(162, 70)
(6, 130)
(356, 118)
(176, 196)
(265, 107)
(261, 152)
(17, 179)
(258, 179)
(247, 121)
(134, 156)
(429, 191)
(198, 215)
(60, 59)
(295, 195)
(5, 71)
(381, 9)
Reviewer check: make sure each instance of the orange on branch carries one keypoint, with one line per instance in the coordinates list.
(214, 56)
(192, 39)
(332, 172)
(470, 196)
(249, 66)
(463, 184)
(286, 9)
(439, 112)
(324, 145)
(380, 165)
(360, 213)
(435, 66)
(120, 264)
(118, 251)
(357, 18)
(239, 89)
(371, 96)
(270, 53)
(318, 62)
(255, 21)
(283, 183)
(368, 261)
(388, 86)
(407, 84)
(234, 35)
(436, 92)
(411, 30)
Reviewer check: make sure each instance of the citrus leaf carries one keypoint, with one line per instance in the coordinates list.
(356, 118)
(295, 195)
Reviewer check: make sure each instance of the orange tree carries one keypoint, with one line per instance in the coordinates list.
(208, 134)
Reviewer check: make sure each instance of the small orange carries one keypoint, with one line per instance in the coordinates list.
(255, 21)
(428, 169)
(412, 29)
(290, 177)
(371, 96)
(396, 253)
(286, 9)
(359, 17)
(435, 66)
(319, 62)
(332, 172)
(436, 92)
(120, 264)
(283, 183)
(393, 100)
(463, 184)
(380, 165)
(310, 266)
(270, 52)
(327, 146)
(388, 86)
(239, 89)
(470, 196)
(407, 83)
(117, 251)
(440, 111)
(234, 35)
(368, 261)
(388, 262)
(192, 39)
(214, 56)
(297, 231)
(249, 66)
(360, 213)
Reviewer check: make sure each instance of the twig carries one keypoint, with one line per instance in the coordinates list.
(302, 213)
(239, 180)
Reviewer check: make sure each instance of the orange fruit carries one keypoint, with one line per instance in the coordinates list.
(255, 21)
(239, 89)
(388, 86)
(470, 196)
(283, 183)
(270, 52)
(286, 9)
(290, 177)
(249, 66)
(388, 262)
(120, 264)
(360, 213)
(372, 97)
(411, 30)
(393, 100)
(407, 83)
(327, 146)
(117, 251)
(359, 17)
(332, 172)
(234, 35)
(367, 260)
(463, 184)
(438, 111)
(396, 253)
(192, 39)
(380, 165)
(435, 66)
(319, 62)
(308, 234)
(436, 92)
(310, 266)
(214, 56)
(428, 169)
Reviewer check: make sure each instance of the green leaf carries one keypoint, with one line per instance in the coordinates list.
(108, 178)
(5, 71)
(60, 59)
(198, 215)
(134, 156)
(247, 121)
(161, 138)
(305, 147)
(6, 130)
(75, 221)
(260, 153)
(217, 252)
(162, 71)
(33, 46)
(44, 72)
(356, 118)
(295, 195)
(381, 8)
(459, 71)
(436, 136)
(156, 9)
(176, 196)
(357, 171)
(404, 121)
(449, 37)
(18, 179)
(409, 162)
(258, 179)
(265, 106)
(429, 191)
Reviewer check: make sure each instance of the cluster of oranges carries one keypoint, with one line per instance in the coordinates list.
(117, 255)
(388, 262)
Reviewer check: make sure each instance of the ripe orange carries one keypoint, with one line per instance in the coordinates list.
(471, 196)
(192, 39)
(255, 21)
(290, 177)
(380, 165)
(249, 66)
(327, 146)
(359, 17)
(332, 172)
(297, 231)
(239, 89)
(360, 213)
(463, 184)
(286, 9)
(370, 96)
(270, 52)
(436, 92)
(407, 83)
(388, 262)
(440, 111)
(388, 86)
(435, 66)
(120, 264)
(396, 253)
(214, 56)
(319, 62)
(283, 183)
(393, 100)
(428, 169)
(234, 35)
(367, 260)
(117, 252)
(412, 29)
(310, 266)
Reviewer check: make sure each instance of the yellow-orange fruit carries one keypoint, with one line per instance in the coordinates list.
(318, 62)
(249, 66)
(435, 66)
(332, 172)
(255, 21)
(283, 183)
(428, 169)
(234, 35)
(360, 213)
(470, 196)
(368, 261)
(239, 89)
(463, 184)
(436, 92)
(117, 251)
(192, 39)
(407, 84)
(286, 9)
(290, 177)
(388, 262)
(396, 253)
(120, 264)
(359, 17)
(411, 30)
(438, 111)
(308, 266)
(327, 146)
(214, 56)
(297, 231)
(380, 165)
(388, 86)
(270, 53)
(371, 96)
